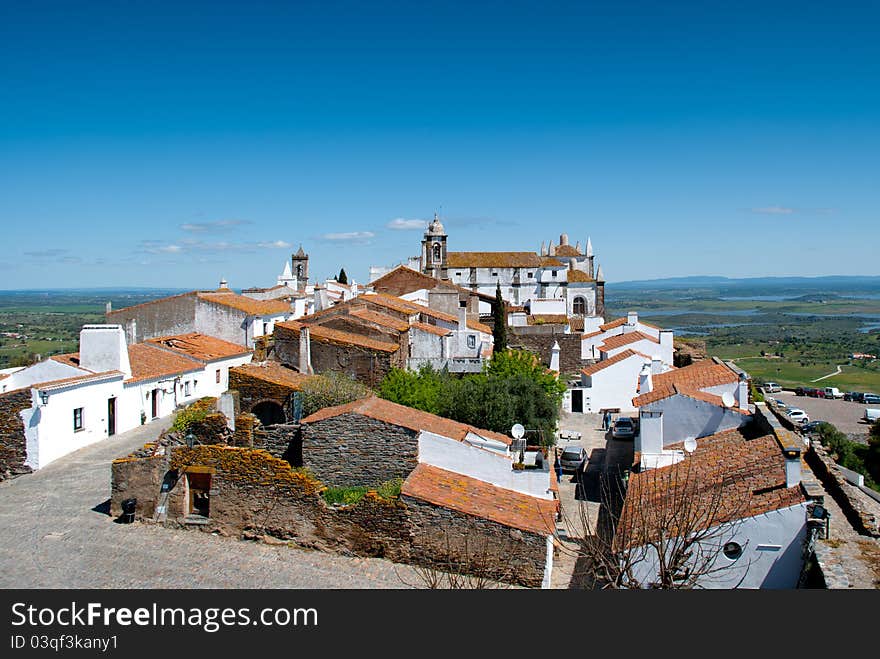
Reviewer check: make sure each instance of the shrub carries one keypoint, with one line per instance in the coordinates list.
(351, 495)
(194, 413)
(331, 389)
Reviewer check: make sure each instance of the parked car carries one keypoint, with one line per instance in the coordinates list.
(871, 399)
(798, 416)
(833, 392)
(852, 396)
(772, 388)
(871, 415)
(623, 428)
(800, 391)
(780, 403)
(572, 457)
(812, 426)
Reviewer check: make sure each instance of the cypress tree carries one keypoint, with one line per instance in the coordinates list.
(342, 278)
(499, 331)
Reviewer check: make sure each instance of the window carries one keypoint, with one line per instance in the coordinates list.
(733, 550)
(436, 252)
(579, 307)
(531, 274)
(77, 419)
(494, 274)
(458, 274)
(554, 273)
(186, 388)
(471, 341)
(217, 375)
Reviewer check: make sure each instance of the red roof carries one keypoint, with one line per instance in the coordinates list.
(611, 361)
(695, 377)
(405, 417)
(150, 363)
(620, 340)
(726, 478)
(200, 346)
(481, 499)
(327, 335)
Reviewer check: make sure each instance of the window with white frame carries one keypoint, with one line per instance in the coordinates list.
(186, 388)
(77, 419)
(471, 341)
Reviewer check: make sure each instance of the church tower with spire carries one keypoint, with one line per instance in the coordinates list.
(433, 259)
(300, 263)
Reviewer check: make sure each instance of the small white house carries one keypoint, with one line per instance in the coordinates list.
(609, 384)
(108, 387)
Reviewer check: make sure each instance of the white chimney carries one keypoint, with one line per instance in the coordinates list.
(656, 366)
(650, 432)
(792, 467)
(645, 382)
(632, 318)
(554, 357)
(224, 284)
(305, 351)
(666, 339)
(103, 348)
(563, 239)
(742, 392)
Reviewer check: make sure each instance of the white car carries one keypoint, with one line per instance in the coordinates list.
(772, 388)
(798, 416)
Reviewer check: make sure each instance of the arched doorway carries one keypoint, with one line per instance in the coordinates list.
(269, 413)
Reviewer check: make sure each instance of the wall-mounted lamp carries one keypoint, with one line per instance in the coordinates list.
(44, 397)
(190, 439)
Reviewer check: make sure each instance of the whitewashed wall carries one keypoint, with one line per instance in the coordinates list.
(688, 417)
(614, 386)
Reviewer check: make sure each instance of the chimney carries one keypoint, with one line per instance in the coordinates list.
(305, 351)
(650, 432)
(742, 392)
(632, 318)
(666, 340)
(656, 366)
(462, 318)
(109, 308)
(563, 239)
(646, 384)
(224, 284)
(554, 357)
(792, 466)
(103, 348)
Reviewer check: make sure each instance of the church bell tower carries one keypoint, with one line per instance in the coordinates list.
(433, 260)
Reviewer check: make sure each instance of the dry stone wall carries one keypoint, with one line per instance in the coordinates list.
(13, 444)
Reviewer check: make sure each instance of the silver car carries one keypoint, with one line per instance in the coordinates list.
(572, 457)
(624, 428)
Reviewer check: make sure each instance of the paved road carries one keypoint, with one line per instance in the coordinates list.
(56, 534)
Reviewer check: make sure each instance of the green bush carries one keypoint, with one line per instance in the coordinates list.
(193, 413)
(330, 389)
(351, 495)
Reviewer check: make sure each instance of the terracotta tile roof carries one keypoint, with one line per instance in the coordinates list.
(248, 305)
(432, 329)
(405, 306)
(579, 276)
(547, 319)
(274, 373)
(200, 346)
(550, 262)
(478, 326)
(406, 417)
(380, 319)
(77, 379)
(576, 324)
(402, 280)
(481, 499)
(493, 260)
(619, 340)
(566, 250)
(149, 362)
(339, 337)
(748, 475)
(590, 335)
(612, 324)
(611, 361)
(70, 359)
(695, 377)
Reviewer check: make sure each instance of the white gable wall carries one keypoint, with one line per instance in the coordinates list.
(613, 387)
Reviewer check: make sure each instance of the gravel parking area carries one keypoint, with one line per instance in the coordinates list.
(844, 415)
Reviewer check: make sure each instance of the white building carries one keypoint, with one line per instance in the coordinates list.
(108, 387)
(609, 384)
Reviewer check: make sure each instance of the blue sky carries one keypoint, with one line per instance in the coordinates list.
(171, 144)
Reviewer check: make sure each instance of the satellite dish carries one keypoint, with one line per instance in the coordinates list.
(727, 399)
(517, 431)
(690, 444)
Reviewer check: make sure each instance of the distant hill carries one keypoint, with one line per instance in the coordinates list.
(756, 285)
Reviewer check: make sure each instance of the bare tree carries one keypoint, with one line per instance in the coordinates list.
(665, 528)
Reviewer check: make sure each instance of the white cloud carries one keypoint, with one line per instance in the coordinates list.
(349, 236)
(217, 225)
(773, 210)
(276, 244)
(400, 224)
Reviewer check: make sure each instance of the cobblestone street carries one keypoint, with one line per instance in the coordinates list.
(57, 534)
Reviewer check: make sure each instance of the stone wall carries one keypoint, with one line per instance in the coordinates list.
(282, 441)
(353, 450)
(570, 361)
(139, 478)
(170, 315)
(13, 444)
(252, 390)
(442, 537)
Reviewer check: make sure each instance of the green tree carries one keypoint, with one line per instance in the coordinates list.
(499, 331)
(511, 363)
(421, 390)
(342, 278)
(330, 389)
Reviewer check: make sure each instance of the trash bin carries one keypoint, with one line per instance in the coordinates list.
(128, 508)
